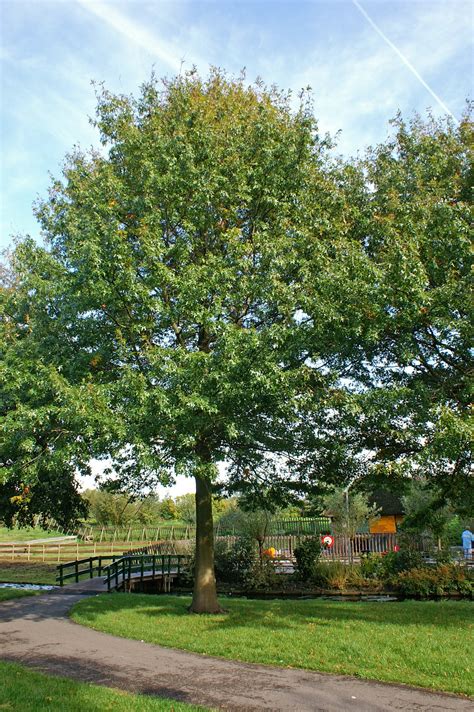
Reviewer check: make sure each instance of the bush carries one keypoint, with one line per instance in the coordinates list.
(332, 574)
(307, 555)
(234, 564)
(428, 582)
(262, 575)
(395, 562)
(372, 566)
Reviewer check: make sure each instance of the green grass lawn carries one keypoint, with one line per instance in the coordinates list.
(27, 572)
(23, 690)
(425, 643)
(26, 533)
(7, 593)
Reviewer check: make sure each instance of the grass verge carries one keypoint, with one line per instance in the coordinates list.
(427, 643)
(28, 572)
(26, 534)
(23, 690)
(7, 593)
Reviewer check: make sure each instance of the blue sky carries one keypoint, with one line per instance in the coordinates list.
(51, 50)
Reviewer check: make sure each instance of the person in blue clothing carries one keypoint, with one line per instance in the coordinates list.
(467, 538)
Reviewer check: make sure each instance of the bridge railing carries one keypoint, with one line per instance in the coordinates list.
(92, 566)
(141, 567)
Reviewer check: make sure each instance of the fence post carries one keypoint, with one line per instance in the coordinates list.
(43, 552)
(76, 571)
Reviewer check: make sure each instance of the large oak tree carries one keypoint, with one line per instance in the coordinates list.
(186, 283)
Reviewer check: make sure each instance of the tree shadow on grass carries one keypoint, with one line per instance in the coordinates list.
(285, 614)
(81, 670)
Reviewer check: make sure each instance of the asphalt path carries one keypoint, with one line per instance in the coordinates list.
(37, 632)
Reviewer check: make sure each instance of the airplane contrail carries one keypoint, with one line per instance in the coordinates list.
(404, 59)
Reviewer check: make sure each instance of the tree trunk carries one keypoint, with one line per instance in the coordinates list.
(205, 593)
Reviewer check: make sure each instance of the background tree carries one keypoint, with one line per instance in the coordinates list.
(417, 214)
(44, 423)
(181, 261)
(348, 511)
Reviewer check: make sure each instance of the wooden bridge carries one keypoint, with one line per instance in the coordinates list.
(133, 571)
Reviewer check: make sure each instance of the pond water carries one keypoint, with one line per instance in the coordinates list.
(362, 597)
(29, 586)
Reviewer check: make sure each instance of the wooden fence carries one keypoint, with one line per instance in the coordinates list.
(344, 549)
(157, 532)
(56, 553)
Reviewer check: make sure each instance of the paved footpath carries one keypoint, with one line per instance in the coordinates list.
(36, 631)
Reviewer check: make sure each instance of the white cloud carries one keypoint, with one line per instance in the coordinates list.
(360, 85)
(403, 58)
(135, 32)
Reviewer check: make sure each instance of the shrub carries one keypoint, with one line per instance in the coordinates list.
(372, 566)
(427, 582)
(307, 555)
(234, 564)
(262, 575)
(395, 562)
(332, 574)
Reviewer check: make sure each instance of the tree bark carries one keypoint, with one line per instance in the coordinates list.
(205, 592)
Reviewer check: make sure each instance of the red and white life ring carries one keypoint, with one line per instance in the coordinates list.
(327, 541)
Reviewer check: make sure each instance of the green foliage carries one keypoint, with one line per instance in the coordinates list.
(426, 511)
(428, 582)
(235, 564)
(52, 498)
(413, 208)
(8, 593)
(395, 562)
(185, 508)
(307, 553)
(167, 509)
(348, 511)
(372, 566)
(214, 288)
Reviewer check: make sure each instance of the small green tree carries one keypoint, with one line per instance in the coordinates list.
(426, 512)
(348, 511)
(186, 508)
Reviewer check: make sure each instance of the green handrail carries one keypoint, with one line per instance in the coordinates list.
(141, 567)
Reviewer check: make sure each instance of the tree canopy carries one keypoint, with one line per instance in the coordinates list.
(216, 288)
(175, 288)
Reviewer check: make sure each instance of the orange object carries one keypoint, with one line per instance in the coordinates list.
(271, 552)
(384, 525)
